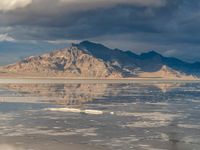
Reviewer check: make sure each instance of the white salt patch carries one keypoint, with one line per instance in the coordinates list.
(152, 120)
(190, 139)
(195, 101)
(154, 116)
(189, 126)
(94, 112)
(163, 104)
(65, 110)
(164, 137)
(87, 131)
(143, 124)
(74, 110)
(112, 113)
(7, 116)
(149, 147)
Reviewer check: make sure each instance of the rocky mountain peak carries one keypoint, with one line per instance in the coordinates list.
(93, 60)
(68, 62)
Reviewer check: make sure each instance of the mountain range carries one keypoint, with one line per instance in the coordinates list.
(92, 60)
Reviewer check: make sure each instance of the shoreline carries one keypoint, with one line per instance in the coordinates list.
(60, 80)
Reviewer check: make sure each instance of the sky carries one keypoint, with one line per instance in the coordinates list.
(33, 27)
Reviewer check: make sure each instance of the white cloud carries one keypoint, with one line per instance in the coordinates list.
(6, 38)
(106, 3)
(170, 52)
(7, 5)
(63, 41)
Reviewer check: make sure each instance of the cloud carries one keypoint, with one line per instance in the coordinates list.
(105, 3)
(63, 41)
(141, 25)
(170, 52)
(6, 38)
(7, 5)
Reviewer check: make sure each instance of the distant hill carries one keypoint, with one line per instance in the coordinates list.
(92, 60)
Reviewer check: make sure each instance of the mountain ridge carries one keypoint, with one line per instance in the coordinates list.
(93, 60)
(70, 62)
(144, 58)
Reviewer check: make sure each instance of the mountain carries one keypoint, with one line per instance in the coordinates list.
(165, 72)
(150, 61)
(70, 62)
(92, 60)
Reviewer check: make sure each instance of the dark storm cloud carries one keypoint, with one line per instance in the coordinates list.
(89, 21)
(158, 24)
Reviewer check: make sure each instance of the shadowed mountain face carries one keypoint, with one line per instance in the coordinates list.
(150, 62)
(91, 60)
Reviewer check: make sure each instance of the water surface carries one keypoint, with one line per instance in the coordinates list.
(114, 116)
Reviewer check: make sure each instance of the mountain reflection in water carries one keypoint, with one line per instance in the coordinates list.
(76, 94)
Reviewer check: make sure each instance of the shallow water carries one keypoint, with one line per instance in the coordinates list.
(163, 116)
